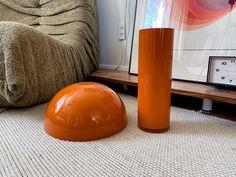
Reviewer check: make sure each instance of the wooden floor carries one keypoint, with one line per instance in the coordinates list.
(178, 87)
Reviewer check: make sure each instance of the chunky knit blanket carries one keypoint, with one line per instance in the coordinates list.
(45, 45)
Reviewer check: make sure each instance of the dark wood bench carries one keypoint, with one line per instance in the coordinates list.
(178, 87)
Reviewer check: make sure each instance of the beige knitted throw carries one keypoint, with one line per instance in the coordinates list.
(45, 45)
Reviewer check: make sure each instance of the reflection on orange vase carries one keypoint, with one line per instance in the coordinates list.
(154, 79)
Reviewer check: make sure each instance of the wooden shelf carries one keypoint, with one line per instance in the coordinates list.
(178, 87)
(119, 77)
(204, 91)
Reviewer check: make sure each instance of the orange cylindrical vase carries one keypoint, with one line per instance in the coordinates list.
(154, 78)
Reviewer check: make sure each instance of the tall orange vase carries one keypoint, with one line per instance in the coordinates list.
(154, 78)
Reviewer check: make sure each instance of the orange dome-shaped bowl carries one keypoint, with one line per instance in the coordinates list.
(85, 111)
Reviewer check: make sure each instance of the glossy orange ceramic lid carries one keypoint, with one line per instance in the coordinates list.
(85, 111)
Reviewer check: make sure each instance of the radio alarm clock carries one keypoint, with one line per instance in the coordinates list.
(222, 71)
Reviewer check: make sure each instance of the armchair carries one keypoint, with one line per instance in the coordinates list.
(45, 45)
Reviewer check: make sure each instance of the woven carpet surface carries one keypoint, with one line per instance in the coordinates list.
(195, 145)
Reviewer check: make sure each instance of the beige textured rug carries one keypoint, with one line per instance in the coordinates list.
(196, 145)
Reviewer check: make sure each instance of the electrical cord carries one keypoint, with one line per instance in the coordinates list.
(127, 28)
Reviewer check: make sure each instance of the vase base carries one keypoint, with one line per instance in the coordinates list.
(153, 130)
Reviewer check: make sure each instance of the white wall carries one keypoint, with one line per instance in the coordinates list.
(113, 52)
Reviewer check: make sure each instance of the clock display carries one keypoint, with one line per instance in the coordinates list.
(222, 70)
